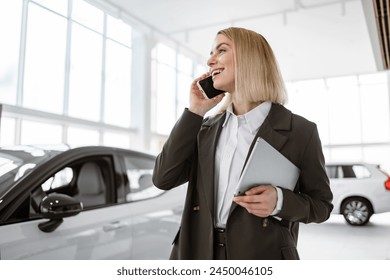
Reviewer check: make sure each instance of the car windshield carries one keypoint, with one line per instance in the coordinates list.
(17, 161)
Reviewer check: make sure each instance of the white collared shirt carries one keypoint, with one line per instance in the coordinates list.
(236, 137)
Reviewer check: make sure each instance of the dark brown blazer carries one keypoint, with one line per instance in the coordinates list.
(188, 156)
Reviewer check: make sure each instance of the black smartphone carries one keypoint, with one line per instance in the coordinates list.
(206, 86)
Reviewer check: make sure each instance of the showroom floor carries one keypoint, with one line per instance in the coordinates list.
(336, 240)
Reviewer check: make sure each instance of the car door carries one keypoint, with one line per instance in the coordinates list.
(338, 185)
(101, 231)
(156, 213)
(347, 180)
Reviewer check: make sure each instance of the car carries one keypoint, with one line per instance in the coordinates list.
(84, 203)
(359, 190)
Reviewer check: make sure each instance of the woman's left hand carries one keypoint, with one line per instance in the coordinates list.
(259, 201)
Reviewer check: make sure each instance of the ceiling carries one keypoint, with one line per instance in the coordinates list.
(311, 38)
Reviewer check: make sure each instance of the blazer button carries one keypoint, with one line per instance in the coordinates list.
(265, 222)
(196, 208)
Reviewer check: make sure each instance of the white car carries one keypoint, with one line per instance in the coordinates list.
(359, 190)
(84, 203)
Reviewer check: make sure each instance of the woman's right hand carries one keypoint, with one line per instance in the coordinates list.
(198, 103)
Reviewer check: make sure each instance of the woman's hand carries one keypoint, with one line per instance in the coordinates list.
(259, 201)
(198, 103)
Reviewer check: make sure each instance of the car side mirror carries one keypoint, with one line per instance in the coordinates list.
(56, 206)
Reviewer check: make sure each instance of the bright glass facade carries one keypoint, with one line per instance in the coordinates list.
(67, 76)
(352, 115)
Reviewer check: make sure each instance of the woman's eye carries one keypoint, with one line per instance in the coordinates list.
(221, 50)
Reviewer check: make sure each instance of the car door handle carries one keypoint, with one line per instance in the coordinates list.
(113, 226)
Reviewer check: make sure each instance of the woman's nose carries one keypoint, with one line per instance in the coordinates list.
(211, 61)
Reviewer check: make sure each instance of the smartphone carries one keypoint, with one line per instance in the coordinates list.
(206, 86)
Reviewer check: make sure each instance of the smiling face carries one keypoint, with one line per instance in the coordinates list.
(221, 63)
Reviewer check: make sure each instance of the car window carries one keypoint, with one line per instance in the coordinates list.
(91, 185)
(347, 171)
(361, 171)
(331, 171)
(334, 171)
(16, 164)
(58, 182)
(139, 174)
(61, 178)
(90, 181)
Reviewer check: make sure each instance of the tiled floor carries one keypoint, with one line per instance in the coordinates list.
(336, 240)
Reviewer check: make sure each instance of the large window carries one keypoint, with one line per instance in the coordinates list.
(8, 125)
(172, 75)
(88, 15)
(10, 20)
(184, 80)
(374, 94)
(163, 88)
(58, 6)
(312, 92)
(118, 74)
(48, 133)
(344, 96)
(66, 76)
(78, 136)
(44, 71)
(352, 115)
(70, 59)
(172, 72)
(117, 84)
(85, 73)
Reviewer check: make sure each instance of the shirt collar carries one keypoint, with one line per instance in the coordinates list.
(254, 118)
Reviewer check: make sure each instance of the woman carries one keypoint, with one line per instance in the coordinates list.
(210, 153)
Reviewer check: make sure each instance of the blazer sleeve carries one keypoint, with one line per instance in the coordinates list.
(173, 164)
(313, 201)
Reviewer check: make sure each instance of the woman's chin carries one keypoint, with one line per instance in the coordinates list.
(218, 86)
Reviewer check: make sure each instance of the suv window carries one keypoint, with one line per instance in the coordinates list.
(361, 171)
(347, 171)
(334, 171)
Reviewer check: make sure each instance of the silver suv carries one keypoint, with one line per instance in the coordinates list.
(359, 191)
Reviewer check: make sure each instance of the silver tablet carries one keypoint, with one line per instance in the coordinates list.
(267, 166)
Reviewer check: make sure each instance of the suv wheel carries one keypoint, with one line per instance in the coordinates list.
(357, 211)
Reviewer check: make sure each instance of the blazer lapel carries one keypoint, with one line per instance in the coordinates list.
(278, 119)
(207, 141)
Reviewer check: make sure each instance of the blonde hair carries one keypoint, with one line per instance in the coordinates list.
(257, 75)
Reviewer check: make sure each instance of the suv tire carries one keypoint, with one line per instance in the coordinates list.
(357, 211)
